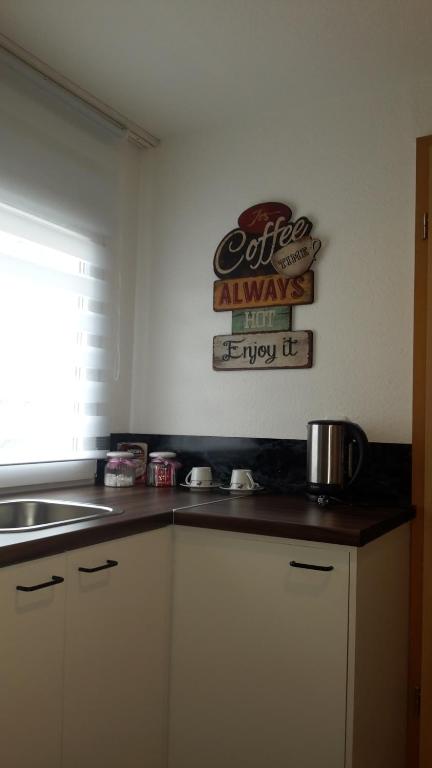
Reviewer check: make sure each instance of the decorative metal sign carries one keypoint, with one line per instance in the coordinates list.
(245, 252)
(259, 351)
(293, 259)
(264, 269)
(262, 291)
(252, 320)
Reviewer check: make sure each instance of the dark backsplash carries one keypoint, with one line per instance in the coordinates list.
(280, 465)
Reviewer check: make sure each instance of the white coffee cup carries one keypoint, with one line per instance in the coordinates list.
(242, 480)
(199, 477)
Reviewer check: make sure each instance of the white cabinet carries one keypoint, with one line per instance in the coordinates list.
(272, 663)
(116, 656)
(84, 663)
(31, 664)
(278, 665)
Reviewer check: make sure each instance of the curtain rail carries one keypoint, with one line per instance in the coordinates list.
(136, 134)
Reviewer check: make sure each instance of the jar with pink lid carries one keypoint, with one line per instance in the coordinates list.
(119, 469)
(162, 469)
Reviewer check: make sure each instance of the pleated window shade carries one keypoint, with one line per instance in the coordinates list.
(60, 166)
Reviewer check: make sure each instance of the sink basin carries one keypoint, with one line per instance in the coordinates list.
(32, 514)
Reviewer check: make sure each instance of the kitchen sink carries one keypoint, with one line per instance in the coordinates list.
(32, 514)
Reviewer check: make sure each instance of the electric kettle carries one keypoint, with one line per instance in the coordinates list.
(330, 457)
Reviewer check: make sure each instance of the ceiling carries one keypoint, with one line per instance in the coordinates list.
(181, 65)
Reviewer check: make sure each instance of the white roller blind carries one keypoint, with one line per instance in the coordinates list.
(59, 223)
(57, 159)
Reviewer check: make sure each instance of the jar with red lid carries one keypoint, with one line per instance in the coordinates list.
(162, 469)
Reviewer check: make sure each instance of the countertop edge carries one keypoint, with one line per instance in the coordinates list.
(289, 530)
(383, 527)
(69, 540)
(292, 518)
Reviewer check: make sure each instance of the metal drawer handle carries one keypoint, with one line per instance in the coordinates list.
(55, 580)
(108, 564)
(310, 567)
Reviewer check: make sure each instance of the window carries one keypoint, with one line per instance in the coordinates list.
(62, 220)
(53, 313)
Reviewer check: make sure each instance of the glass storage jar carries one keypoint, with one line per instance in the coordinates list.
(162, 469)
(119, 469)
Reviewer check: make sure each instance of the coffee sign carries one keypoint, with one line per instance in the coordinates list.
(264, 265)
(264, 291)
(294, 259)
(262, 351)
(265, 319)
(256, 218)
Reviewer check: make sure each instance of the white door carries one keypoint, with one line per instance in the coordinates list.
(116, 667)
(31, 663)
(259, 653)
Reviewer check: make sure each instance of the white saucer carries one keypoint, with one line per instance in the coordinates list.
(200, 487)
(242, 490)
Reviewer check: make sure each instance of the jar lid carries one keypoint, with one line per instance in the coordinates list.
(120, 455)
(162, 455)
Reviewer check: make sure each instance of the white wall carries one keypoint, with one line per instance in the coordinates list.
(347, 161)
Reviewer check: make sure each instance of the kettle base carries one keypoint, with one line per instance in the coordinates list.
(321, 499)
(325, 496)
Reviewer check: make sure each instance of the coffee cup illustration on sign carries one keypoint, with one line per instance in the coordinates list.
(295, 258)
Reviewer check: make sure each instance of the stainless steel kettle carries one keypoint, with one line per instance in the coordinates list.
(329, 456)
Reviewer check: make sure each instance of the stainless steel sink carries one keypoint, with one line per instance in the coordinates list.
(32, 514)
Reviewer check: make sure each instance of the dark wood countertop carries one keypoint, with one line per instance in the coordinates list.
(144, 509)
(295, 517)
(149, 508)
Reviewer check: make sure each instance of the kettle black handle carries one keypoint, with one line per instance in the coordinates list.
(356, 433)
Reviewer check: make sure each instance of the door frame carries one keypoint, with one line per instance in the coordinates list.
(417, 690)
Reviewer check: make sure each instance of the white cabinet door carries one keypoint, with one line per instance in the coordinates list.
(259, 654)
(31, 664)
(116, 666)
